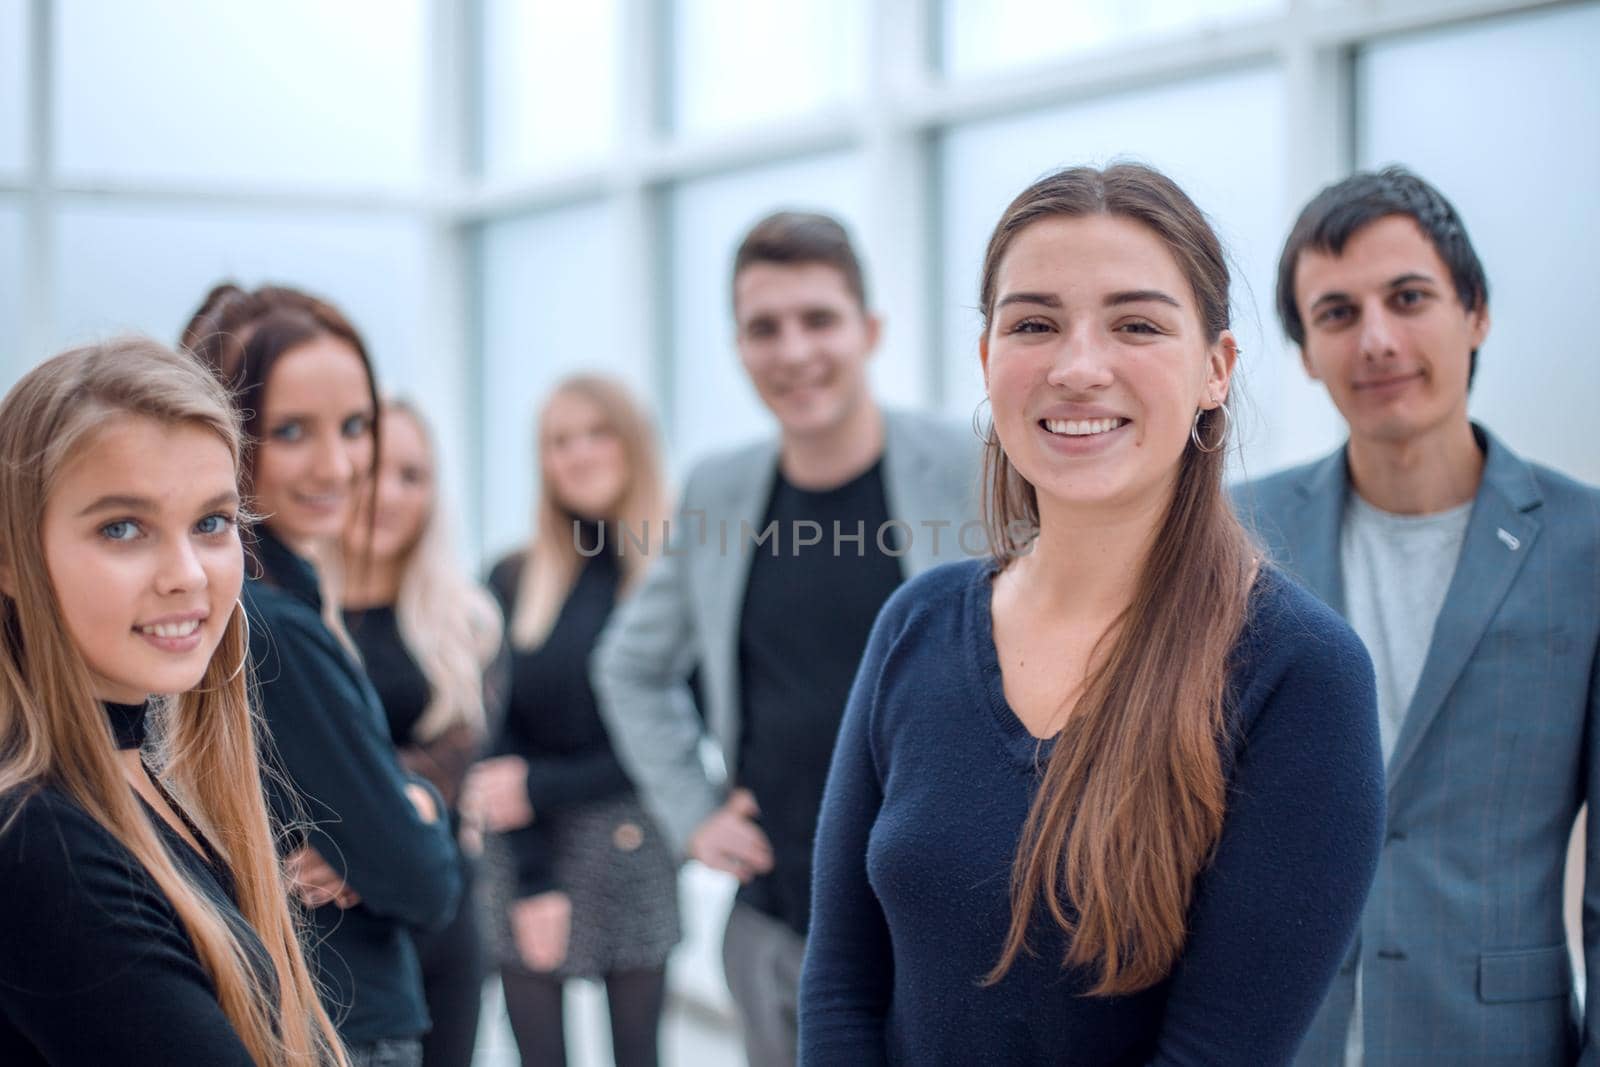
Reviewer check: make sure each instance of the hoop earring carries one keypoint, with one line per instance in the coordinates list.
(977, 420)
(1222, 438)
(244, 655)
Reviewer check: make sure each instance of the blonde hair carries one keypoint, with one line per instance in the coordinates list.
(449, 623)
(53, 730)
(552, 559)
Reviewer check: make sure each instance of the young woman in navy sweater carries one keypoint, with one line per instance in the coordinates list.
(378, 860)
(1113, 795)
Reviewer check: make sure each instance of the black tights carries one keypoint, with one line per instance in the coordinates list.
(635, 999)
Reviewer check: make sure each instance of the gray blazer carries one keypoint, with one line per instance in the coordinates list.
(1462, 952)
(687, 609)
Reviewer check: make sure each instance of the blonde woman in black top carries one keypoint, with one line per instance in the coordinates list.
(143, 920)
(593, 893)
(427, 635)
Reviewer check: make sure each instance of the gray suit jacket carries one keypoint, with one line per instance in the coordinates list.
(687, 608)
(1461, 948)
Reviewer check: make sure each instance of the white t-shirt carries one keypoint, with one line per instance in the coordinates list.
(1397, 570)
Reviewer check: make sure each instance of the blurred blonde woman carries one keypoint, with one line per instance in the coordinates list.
(593, 890)
(144, 917)
(427, 634)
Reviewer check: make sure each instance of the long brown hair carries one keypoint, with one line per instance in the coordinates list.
(241, 334)
(1131, 800)
(53, 730)
(552, 559)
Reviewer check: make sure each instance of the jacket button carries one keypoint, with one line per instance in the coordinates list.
(1391, 954)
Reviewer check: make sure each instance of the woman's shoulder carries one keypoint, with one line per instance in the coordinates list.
(506, 575)
(1294, 646)
(47, 839)
(936, 593)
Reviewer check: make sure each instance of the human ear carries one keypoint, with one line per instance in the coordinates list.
(1221, 358)
(983, 358)
(1479, 319)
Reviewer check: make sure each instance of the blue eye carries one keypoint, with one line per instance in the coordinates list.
(212, 525)
(289, 431)
(355, 426)
(121, 530)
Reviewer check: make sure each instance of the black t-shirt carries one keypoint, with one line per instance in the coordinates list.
(807, 612)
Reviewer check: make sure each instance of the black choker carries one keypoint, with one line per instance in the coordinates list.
(127, 723)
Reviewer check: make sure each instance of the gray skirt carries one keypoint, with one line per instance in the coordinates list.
(612, 861)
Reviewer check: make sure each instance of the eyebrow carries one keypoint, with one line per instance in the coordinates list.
(144, 505)
(1394, 283)
(1140, 296)
(1046, 299)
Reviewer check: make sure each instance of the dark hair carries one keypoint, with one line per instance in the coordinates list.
(242, 334)
(1342, 209)
(791, 238)
(1130, 804)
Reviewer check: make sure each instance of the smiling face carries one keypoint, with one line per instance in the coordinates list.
(1096, 361)
(804, 340)
(583, 458)
(403, 492)
(1386, 332)
(141, 543)
(316, 440)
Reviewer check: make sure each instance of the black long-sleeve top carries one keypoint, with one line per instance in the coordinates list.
(405, 693)
(95, 965)
(332, 742)
(552, 720)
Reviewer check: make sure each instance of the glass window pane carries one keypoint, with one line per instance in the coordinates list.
(713, 402)
(980, 36)
(13, 361)
(546, 304)
(548, 83)
(1517, 155)
(128, 267)
(1234, 173)
(740, 61)
(301, 93)
(13, 84)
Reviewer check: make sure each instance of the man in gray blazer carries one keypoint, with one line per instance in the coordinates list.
(781, 555)
(1473, 576)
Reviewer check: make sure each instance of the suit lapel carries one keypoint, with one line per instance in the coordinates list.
(1316, 562)
(904, 494)
(726, 574)
(1500, 535)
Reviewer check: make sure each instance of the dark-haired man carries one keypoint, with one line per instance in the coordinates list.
(784, 551)
(1473, 576)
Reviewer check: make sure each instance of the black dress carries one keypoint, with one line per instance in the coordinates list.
(95, 965)
(591, 838)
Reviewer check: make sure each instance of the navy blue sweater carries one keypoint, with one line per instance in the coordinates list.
(932, 779)
(329, 736)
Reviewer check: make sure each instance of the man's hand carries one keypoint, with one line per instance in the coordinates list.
(541, 927)
(315, 882)
(495, 796)
(729, 840)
